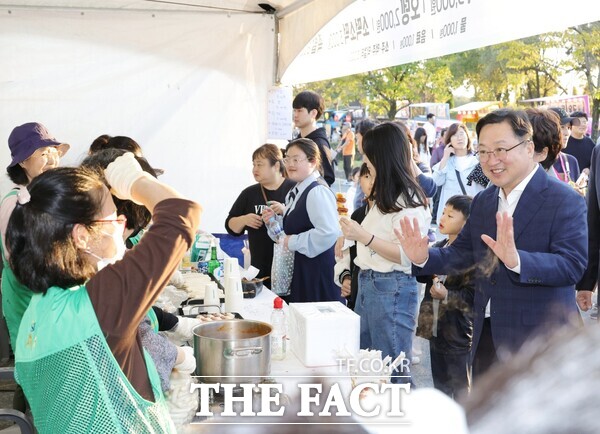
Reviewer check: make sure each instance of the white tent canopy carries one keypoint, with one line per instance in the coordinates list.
(189, 83)
(189, 80)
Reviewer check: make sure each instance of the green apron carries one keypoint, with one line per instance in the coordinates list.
(15, 296)
(70, 376)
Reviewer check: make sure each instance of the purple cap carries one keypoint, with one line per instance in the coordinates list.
(564, 116)
(28, 138)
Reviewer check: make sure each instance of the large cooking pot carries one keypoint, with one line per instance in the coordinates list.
(232, 351)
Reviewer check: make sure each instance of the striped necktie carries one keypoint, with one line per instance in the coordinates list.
(292, 195)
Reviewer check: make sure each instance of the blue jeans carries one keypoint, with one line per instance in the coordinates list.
(387, 304)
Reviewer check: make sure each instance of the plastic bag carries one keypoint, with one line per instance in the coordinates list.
(282, 270)
(181, 402)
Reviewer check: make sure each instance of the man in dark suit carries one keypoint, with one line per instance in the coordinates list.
(526, 239)
(588, 282)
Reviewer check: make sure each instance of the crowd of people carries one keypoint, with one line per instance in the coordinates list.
(87, 250)
(510, 247)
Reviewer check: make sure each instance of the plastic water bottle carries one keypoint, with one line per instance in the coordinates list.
(279, 333)
(274, 229)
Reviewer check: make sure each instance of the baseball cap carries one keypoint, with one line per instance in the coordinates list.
(564, 116)
(28, 138)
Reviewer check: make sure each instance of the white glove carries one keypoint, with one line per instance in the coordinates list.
(184, 330)
(188, 365)
(122, 173)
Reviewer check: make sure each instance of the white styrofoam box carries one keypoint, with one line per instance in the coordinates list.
(323, 332)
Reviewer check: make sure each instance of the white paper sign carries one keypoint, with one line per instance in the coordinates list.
(279, 113)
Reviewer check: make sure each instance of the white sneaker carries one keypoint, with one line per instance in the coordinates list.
(415, 360)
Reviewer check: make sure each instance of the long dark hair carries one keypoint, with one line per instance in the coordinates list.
(138, 216)
(39, 233)
(118, 142)
(420, 132)
(387, 147)
(17, 175)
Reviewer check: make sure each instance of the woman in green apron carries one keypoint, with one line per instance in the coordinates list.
(77, 355)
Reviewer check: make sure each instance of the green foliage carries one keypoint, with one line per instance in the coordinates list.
(583, 45)
(508, 72)
(383, 89)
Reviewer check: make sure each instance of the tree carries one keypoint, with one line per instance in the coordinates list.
(583, 45)
(531, 67)
(482, 70)
(415, 82)
(383, 89)
(520, 69)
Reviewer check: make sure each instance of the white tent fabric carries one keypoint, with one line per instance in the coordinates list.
(191, 88)
(188, 80)
(298, 25)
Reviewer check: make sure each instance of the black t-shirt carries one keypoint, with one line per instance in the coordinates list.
(319, 136)
(581, 149)
(251, 200)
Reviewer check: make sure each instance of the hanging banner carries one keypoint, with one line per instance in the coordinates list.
(374, 34)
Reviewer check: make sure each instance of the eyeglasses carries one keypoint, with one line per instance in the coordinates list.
(499, 153)
(583, 121)
(121, 220)
(293, 161)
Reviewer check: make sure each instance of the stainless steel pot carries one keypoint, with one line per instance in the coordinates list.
(232, 351)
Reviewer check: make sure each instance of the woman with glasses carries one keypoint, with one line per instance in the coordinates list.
(78, 356)
(245, 215)
(387, 298)
(310, 222)
(457, 163)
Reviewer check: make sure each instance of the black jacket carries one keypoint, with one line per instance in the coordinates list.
(358, 216)
(455, 315)
(319, 136)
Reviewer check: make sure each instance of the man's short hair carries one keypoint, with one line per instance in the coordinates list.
(517, 119)
(430, 115)
(579, 114)
(310, 101)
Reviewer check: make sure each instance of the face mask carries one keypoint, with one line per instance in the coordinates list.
(117, 237)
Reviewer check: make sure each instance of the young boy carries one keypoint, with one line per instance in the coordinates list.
(308, 107)
(445, 315)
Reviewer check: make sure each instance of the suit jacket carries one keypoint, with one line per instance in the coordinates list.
(550, 233)
(590, 277)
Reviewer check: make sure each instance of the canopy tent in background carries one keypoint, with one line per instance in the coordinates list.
(190, 87)
(191, 81)
(190, 84)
